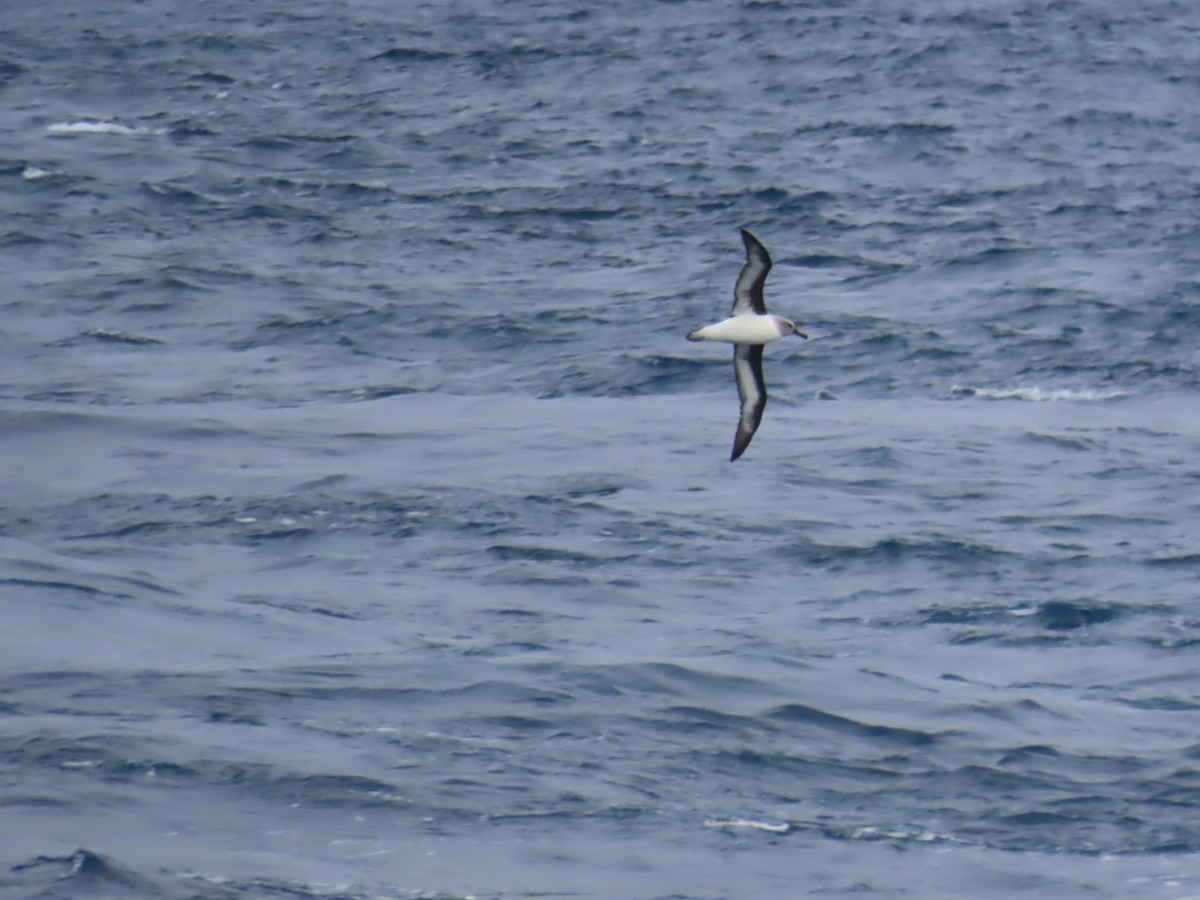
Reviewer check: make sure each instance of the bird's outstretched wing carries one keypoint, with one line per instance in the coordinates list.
(747, 366)
(748, 291)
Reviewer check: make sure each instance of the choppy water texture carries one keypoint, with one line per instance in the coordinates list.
(367, 524)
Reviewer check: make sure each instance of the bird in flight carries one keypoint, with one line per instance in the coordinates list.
(748, 328)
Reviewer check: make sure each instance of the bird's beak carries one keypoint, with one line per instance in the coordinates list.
(800, 334)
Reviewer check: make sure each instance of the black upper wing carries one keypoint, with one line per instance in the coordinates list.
(748, 292)
(747, 366)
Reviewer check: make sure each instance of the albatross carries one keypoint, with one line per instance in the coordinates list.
(748, 328)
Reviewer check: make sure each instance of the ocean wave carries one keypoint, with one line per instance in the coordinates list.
(564, 638)
(752, 824)
(88, 873)
(1039, 394)
(120, 337)
(92, 127)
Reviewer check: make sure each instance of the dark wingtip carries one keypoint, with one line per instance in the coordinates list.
(752, 243)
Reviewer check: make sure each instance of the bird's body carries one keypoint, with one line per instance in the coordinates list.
(748, 329)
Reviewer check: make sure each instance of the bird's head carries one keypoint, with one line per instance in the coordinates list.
(792, 329)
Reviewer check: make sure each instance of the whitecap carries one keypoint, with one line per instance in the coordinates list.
(776, 827)
(1038, 394)
(90, 127)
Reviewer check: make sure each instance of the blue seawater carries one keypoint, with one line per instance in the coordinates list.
(367, 525)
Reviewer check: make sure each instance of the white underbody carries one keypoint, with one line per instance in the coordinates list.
(745, 329)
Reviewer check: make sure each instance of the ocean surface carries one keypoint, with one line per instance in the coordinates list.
(367, 528)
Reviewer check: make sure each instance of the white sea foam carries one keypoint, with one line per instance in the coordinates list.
(90, 127)
(777, 827)
(1037, 394)
(33, 173)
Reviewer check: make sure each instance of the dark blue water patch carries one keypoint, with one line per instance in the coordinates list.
(220, 79)
(704, 720)
(993, 259)
(360, 193)
(851, 269)
(795, 713)
(640, 375)
(1029, 753)
(518, 725)
(271, 143)
(20, 239)
(555, 555)
(68, 586)
(974, 614)
(1039, 819)
(280, 213)
(233, 709)
(406, 55)
(185, 129)
(1185, 560)
(1170, 704)
(1052, 615)
(1063, 615)
(66, 577)
(10, 72)
(268, 533)
(942, 550)
(1061, 441)
(903, 130)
